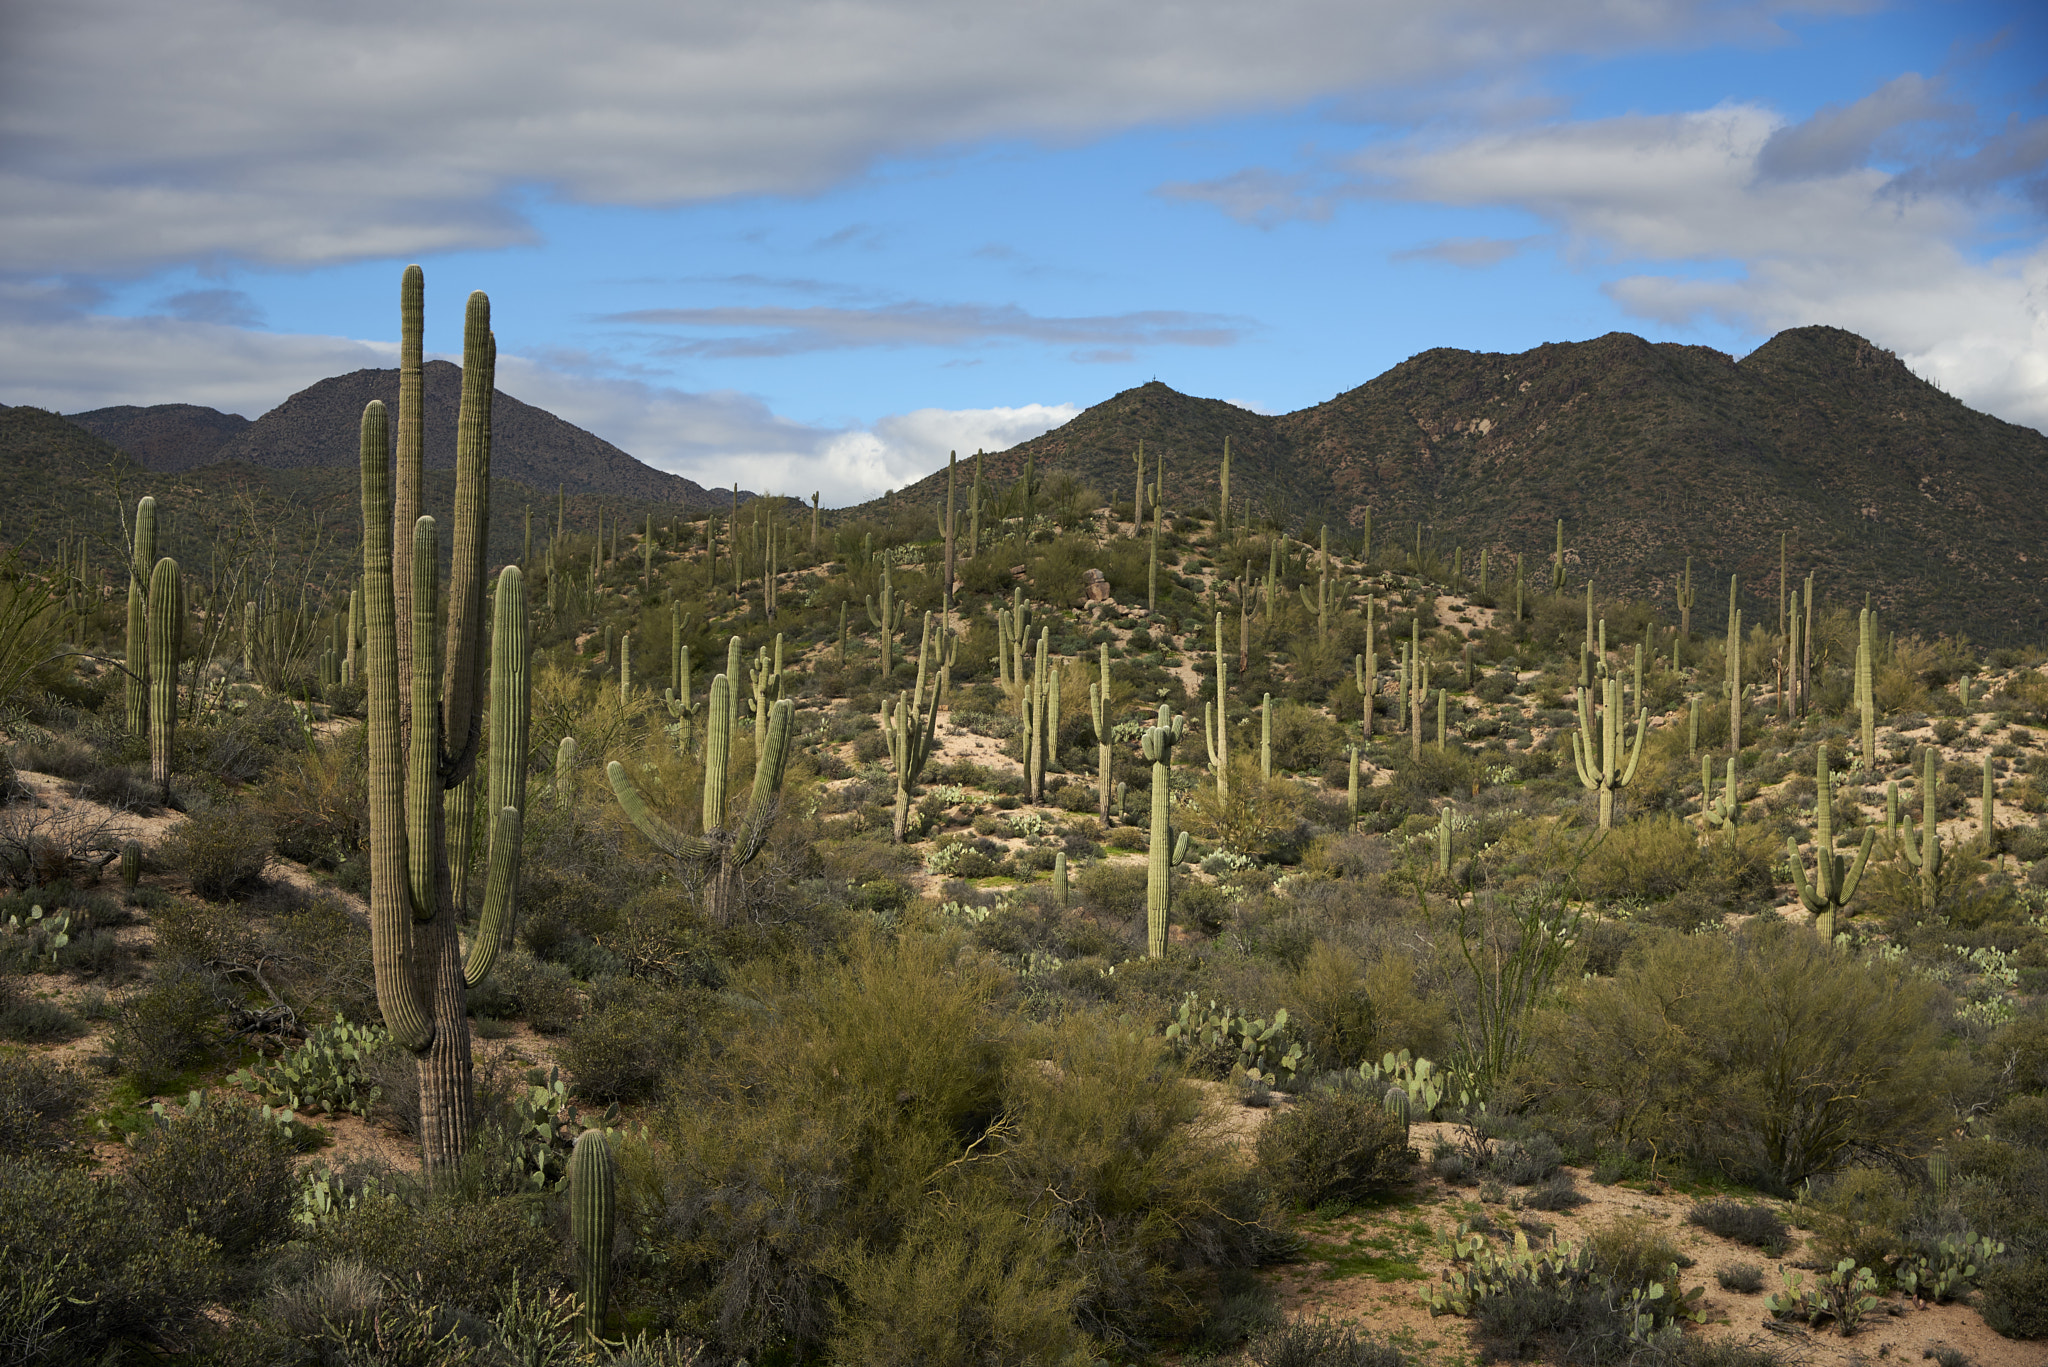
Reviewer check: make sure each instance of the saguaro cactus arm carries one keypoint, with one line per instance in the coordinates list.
(1833, 883)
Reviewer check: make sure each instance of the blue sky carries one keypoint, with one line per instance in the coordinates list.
(815, 245)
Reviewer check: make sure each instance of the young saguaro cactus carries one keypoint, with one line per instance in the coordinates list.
(716, 857)
(1834, 880)
(166, 638)
(1158, 743)
(1723, 811)
(140, 564)
(414, 940)
(593, 1220)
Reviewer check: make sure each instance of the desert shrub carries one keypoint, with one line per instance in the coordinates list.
(1559, 1191)
(1113, 889)
(1758, 1226)
(1860, 1213)
(1334, 1146)
(1304, 738)
(1573, 1311)
(167, 1026)
(1821, 1054)
(1633, 1252)
(1743, 1278)
(2013, 1297)
(618, 1048)
(221, 851)
(1523, 1162)
(544, 994)
(1648, 859)
(317, 803)
(27, 1019)
(1318, 1343)
(37, 1095)
(93, 1264)
(450, 1251)
(219, 1170)
(1257, 818)
(1332, 1006)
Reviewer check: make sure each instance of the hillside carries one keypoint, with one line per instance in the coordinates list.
(164, 436)
(1650, 452)
(317, 426)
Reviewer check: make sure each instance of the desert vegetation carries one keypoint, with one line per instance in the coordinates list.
(1019, 927)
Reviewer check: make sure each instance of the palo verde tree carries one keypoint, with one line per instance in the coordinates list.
(426, 727)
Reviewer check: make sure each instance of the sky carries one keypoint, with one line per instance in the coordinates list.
(813, 245)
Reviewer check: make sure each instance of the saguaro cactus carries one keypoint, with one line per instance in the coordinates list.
(1866, 693)
(593, 1221)
(1686, 596)
(909, 732)
(1098, 712)
(166, 638)
(1013, 634)
(415, 950)
(1605, 771)
(1927, 858)
(1834, 881)
(887, 616)
(1725, 810)
(1215, 717)
(715, 858)
(140, 564)
(1158, 743)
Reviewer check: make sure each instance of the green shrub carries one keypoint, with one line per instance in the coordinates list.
(219, 1170)
(221, 852)
(1319, 1343)
(1341, 1146)
(449, 1251)
(2013, 1297)
(1744, 1279)
(1820, 1054)
(1632, 1252)
(1755, 1225)
(37, 1095)
(1861, 1214)
(1333, 1010)
(1648, 859)
(93, 1263)
(317, 803)
(619, 1048)
(166, 1027)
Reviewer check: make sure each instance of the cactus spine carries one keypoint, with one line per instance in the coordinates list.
(1158, 743)
(166, 638)
(1834, 882)
(592, 1221)
(415, 948)
(1099, 713)
(140, 564)
(1215, 722)
(716, 857)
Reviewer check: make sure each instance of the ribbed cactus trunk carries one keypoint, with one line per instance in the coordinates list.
(166, 637)
(140, 565)
(1866, 693)
(1158, 743)
(425, 729)
(1099, 712)
(593, 1221)
(1216, 721)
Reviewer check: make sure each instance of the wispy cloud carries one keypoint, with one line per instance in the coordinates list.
(745, 331)
(1473, 253)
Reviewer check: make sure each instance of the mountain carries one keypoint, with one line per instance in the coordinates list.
(317, 428)
(164, 436)
(1650, 452)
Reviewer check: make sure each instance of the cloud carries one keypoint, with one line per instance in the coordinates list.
(1842, 137)
(213, 306)
(771, 331)
(141, 134)
(80, 361)
(1263, 197)
(1473, 253)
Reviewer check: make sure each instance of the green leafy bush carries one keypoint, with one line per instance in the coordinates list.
(1334, 1146)
(37, 1095)
(2013, 1297)
(218, 1170)
(221, 852)
(1756, 1225)
(167, 1026)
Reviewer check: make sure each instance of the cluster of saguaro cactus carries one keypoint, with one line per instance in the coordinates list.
(1013, 635)
(766, 677)
(910, 730)
(1927, 858)
(425, 725)
(715, 857)
(1042, 718)
(1723, 811)
(1834, 878)
(1158, 742)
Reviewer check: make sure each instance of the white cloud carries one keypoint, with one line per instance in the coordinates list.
(767, 331)
(141, 134)
(70, 361)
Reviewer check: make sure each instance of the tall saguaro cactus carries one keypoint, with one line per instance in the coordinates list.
(1099, 713)
(418, 751)
(1158, 743)
(140, 564)
(717, 856)
(1604, 770)
(910, 730)
(1866, 693)
(166, 637)
(1927, 858)
(1216, 719)
(887, 616)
